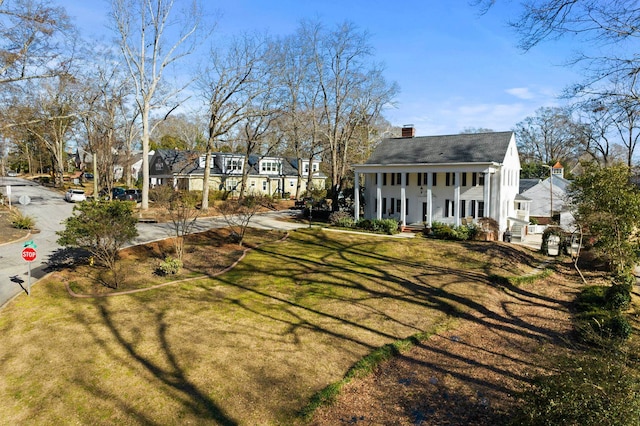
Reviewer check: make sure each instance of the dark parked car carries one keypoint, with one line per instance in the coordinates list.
(115, 193)
(131, 195)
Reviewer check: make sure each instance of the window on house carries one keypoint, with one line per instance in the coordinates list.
(481, 179)
(420, 179)
(464, 179)
(376, 179)
(399, 205)
(384, 205)
(231, 184)
(393, 179)
(406, 179)
(264, 185)
(267, 166)
(435, 180)
(448, 208)
(384, 179)
(480, 208)
(472, 207)
(450, 179)
(233, 164)
(392, 204)
(474, 179)
(463, 206)
(398, 178)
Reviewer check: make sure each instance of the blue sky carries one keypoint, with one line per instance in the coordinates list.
(456, 68)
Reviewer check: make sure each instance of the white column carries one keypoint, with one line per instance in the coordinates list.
(379, 196)
(487, 194)
(456, 200)
(429, 199)
(356, 196)
(403, 198)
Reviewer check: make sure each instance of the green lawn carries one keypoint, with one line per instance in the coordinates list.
(249, 347)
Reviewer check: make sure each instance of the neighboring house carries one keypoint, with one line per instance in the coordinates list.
(451, 179)
(136, 164)
(82, 160)
(266, 175)
(548, 195)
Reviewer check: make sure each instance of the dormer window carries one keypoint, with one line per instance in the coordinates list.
(305, 167)
(269, 166)
(233, 165)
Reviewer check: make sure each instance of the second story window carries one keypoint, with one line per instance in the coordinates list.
(269, 166)
(233, 165)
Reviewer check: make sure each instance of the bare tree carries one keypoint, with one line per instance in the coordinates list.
(52, 118)
(596, 132)
(353, 93)
(104, 96)
(228, 86)
(152, 40)
(549, 136)
(302, 97)
(34, 40)
(237, 213)
(180, 131)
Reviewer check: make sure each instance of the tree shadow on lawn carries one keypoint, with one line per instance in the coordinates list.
(417, 291)
(374, 281)
(169, 373)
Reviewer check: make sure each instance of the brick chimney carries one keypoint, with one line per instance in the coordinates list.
(408, 131)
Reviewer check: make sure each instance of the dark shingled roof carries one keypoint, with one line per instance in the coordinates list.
(461, 148)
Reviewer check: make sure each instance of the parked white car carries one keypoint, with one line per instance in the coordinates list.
(75, 195)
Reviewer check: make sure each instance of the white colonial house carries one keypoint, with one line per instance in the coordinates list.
(453, 179)
(265, 175)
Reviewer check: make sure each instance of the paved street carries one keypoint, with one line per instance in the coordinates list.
(49, 209)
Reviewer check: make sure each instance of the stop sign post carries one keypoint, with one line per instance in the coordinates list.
(29, 255)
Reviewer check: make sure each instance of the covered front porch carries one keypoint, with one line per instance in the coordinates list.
(422, 195)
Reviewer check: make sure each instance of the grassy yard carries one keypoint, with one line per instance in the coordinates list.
(251, 346)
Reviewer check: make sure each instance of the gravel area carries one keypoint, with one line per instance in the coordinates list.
(470, 374)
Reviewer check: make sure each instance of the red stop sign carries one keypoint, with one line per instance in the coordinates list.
(29, 254)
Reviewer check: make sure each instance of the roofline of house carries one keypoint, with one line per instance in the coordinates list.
(370, 166)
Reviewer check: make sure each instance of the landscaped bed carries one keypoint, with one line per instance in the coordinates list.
(250, 346)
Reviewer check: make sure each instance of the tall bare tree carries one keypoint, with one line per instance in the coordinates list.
(229, 87)
(104, 97)
(353, 93)
(301, 117)
(153, 38)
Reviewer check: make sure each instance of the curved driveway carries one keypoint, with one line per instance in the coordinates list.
(49, 210)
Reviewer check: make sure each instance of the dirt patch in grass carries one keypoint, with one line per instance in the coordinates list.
(253, 345)
(206, 254)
